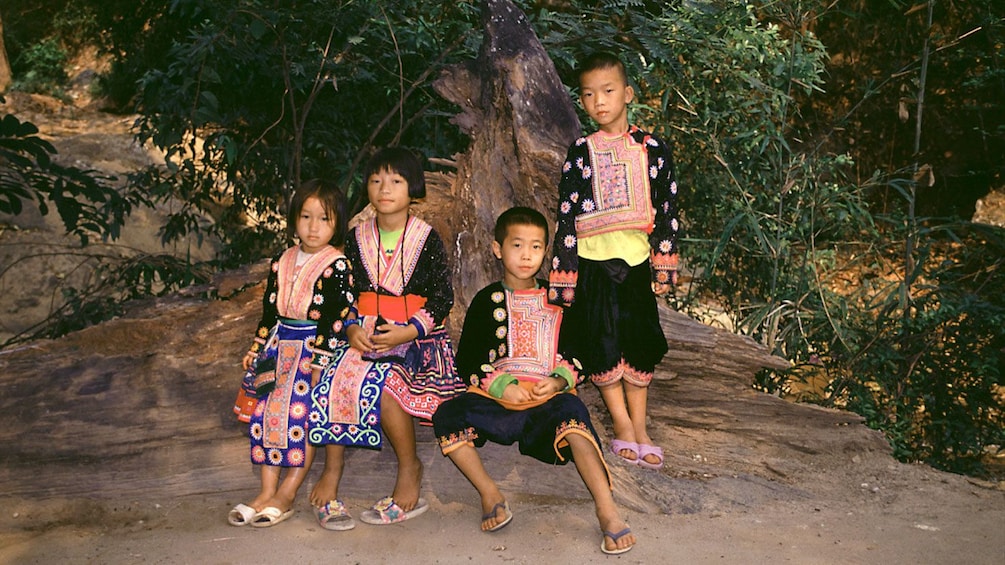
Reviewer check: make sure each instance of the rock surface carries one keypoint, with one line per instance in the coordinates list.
(120, 437)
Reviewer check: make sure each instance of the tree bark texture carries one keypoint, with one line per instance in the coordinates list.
(521, 121)
(5, 74)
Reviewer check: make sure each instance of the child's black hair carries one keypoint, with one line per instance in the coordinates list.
(332, 200)
(601, 60)
(520, 216)
(401, 161)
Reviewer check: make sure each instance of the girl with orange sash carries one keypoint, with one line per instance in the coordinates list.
(398, 342)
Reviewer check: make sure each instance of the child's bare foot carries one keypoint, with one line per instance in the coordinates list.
(326, 489)
(407, 485)
(261, 501)
(495, 515)
(281, 502)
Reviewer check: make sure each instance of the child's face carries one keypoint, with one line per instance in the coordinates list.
(605, 97)
(314, 228)
(388, 192)
(522, 252)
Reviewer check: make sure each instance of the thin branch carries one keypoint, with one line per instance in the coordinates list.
(912, 226)
(401, 73)
(364, 150)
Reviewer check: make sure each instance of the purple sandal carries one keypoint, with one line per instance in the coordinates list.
(645, 449)
(617, 446)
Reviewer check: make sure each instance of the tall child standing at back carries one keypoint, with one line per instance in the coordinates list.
(615, 247)
(307, 293)
(397, 321)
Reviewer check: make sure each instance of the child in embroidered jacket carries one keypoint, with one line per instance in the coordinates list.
(615, 247)
(522, 389)
(308, 292)
(398, 339)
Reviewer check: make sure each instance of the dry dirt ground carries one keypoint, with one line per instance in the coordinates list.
(120, 448)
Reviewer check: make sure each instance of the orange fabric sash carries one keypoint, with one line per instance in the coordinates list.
(393, 308)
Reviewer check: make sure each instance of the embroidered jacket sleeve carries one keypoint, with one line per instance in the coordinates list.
(360, 282)
(479, 344)
(270, 313)
(333, 297)
(575, 183)
(663, 188)
(431, 279)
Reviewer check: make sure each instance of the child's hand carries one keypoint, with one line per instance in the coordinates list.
(358, 339)
(249, 358)
(516, 394)
(659, 289)
(548, 387)
(388, 335)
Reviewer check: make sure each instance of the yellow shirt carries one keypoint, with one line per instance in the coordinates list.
(630, 245)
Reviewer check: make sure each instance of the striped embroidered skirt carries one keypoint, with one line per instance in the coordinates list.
(426, 377)
(345, 404)
(278, 427)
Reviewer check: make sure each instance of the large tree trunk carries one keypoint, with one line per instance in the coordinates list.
(521, 121)
(5, 75)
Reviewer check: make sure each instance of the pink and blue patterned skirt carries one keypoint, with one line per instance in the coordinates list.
(278, 426)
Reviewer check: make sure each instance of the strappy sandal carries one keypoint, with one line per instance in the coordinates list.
(241, 515)
(495, 509)
(387, 511)
(334, 516)
(617, 446)
(646, 449)
(615, 538)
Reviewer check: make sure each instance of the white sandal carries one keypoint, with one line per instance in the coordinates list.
(241, 515)
(270, 516)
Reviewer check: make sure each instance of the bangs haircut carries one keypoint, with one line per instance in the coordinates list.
(520, 216)
(332, 200)
(601, 60)
(401, 161)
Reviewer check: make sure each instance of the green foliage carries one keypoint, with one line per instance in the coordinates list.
(114, 279)
(763, 211)
(871, 111)
(41, 36)
(256, 99)
(782, 240)
(76, 25)
(931, 377)
(90, 207)
(26, 22)
(41, 68)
